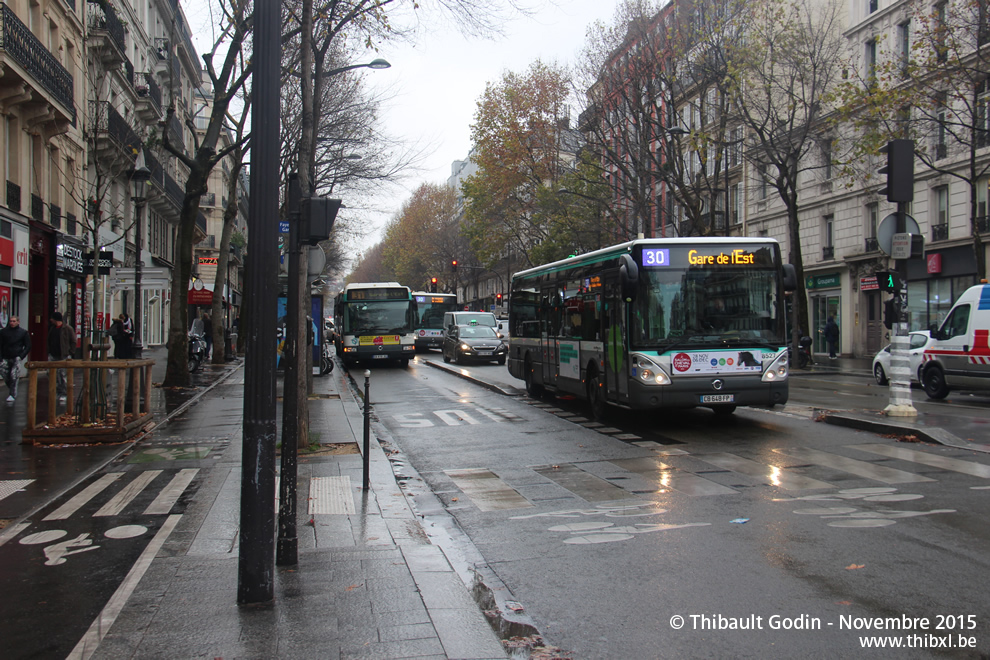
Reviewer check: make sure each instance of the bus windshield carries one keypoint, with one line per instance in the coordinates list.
(706, 306)
(389, 317)
(431, 308)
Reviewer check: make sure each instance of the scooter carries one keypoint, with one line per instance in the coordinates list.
(326, 357)
(197, 352)
(804, 357)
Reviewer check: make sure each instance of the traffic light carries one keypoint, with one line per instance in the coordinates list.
(899, 170)
(498, 298)
(317, 217)
(453, 265)
(433, 285)
(891, 312)
(889, 281)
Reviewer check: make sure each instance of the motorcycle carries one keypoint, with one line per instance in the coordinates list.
(197, 352)
(326, 357)
(804, 357)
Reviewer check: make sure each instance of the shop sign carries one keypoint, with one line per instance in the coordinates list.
(106, 262)
(69, 259)
(6, 252)
(22, 252)
(869, 283)
(827, 281)
(933, 263)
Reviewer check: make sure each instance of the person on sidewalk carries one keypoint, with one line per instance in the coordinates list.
(832, 336)
(208, 334)
(15, 346)
(121, 344)
(61, 342)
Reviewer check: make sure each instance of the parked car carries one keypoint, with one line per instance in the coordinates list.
(920, 340)
(462, 343)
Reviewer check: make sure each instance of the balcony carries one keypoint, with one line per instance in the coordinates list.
(106, 33)
(32, 76)
(872, 245)
(13, 197)
(209, 199)
(208, 242)
(175, 194)
(149, 98)
(940, 232)
(828, 253)
(114, 136)
(176, 134)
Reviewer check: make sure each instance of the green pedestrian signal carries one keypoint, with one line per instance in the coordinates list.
(889, 281)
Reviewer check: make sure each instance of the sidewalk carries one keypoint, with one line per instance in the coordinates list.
(369, 584)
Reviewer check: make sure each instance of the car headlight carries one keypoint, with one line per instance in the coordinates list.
(465, 347)
(778, 369)
(648, 372)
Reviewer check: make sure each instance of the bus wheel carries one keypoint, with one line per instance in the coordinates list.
(723, 411)
(596, 395)
(534, 390)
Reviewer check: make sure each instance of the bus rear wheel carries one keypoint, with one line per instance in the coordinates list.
(596, 395)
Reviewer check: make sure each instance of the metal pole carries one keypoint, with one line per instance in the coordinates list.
(286, 553)
(366, 479)
(138, 346)
(256, 558)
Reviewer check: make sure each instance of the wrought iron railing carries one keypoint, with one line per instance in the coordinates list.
(13, 197)
(148, 87)
(828, 252)
(129, 72)
(940, 232)
(107, 120)
(25, 48)
(872, 245)
(175, 127)
(209, 199)
(101, 15)
(174, 191)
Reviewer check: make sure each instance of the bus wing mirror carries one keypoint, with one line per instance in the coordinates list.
(790, 278)
(628, 277)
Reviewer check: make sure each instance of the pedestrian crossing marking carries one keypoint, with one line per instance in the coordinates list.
(487, 490)
(170, 495)
(859, 468)
(84, 496)
(331, 495)
(771, 473)
(11, 486)
(120, 501)
(583, 484)
(915, 456)
(666, 477)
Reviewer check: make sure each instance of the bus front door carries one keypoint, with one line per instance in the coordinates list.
(616, 383)
(548, 338)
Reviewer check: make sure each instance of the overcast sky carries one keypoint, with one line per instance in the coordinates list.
(438, 81)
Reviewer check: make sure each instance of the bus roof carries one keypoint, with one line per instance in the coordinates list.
(615, 250)
(371, 285)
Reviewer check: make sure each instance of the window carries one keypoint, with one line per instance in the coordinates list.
(872, 219)
(941, 115)
(734, 204)
(870, 60)
(982, 120)
(761, 172)
(827, 158)
(941, 29)
(904, 44)
(982, 190)
(872, 6)
(942, 205)
(828, 223)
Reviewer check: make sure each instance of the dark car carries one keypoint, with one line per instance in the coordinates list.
(463, 343)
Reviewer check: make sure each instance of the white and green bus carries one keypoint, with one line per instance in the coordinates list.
(430, 308)
(375, 321)
(656, 324)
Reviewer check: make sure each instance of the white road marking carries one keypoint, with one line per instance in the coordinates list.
(455, 417)
(84, 496)
(773, 474)
(12, 486)
(170, 495)
(860, 468)
(120, 501)
(915, 456)
(91, 640)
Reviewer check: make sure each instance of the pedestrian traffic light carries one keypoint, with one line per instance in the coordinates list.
(891, 312)
(889, 281)
(433, 285)
(899, 170)
(453, 265)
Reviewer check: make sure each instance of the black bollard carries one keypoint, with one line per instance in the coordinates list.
(366, 481)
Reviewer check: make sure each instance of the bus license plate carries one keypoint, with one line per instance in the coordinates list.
(718, 398)
(485, 352)
(379, 357)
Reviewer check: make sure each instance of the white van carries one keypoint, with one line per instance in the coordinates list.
(959, 356)
(450, 319)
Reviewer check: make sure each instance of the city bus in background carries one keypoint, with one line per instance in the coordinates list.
(656, 324)
(374, 321)
(430, 308)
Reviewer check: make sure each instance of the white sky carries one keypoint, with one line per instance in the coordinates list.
(437, 83)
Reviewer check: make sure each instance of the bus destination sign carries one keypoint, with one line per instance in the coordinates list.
(715, 256)
(378, 294)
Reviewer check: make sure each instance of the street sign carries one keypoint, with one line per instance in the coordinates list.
(283, 226)
(907, 246)
(888, 227)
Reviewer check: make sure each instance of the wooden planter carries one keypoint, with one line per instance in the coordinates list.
(83, 425)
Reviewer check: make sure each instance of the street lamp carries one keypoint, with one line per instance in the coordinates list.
(139, 183)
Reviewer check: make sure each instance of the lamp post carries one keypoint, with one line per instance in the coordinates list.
(139, 184)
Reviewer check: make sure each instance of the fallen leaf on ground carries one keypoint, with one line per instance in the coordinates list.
(853, 567)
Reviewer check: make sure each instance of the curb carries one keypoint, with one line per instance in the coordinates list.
(454, 372)
(933, 435)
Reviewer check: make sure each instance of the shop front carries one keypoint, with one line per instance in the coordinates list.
(936, 281)
(824, 300)
(70, 284)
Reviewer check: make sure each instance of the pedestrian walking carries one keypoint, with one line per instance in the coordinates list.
(831, 336)
(208, 334)
(61, 342)
(15, 346)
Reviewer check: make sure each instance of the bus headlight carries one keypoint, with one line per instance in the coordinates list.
(648, 372)
(778, 369)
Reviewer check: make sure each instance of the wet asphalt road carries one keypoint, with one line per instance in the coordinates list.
(606, 535)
